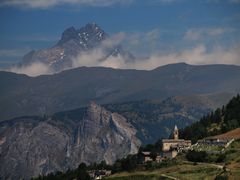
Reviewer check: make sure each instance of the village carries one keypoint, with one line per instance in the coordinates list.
(172, 147)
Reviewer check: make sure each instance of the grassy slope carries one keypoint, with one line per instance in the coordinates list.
(181, 171)
(233, 158)
(235, 133)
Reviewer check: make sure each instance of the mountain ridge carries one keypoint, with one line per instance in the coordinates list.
(184, 64)
(75, 88)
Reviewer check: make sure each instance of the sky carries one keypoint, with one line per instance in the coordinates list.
(157, 31)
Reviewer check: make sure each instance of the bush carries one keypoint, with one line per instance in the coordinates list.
(221, 177)
(196, 156)
(221, 158)
(195, 163)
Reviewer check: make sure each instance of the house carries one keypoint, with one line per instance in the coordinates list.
(146, 157)
(221, 140)
(99, 174)
(212, 141)
(169, 154)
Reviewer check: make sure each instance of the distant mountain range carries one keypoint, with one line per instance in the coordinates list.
(73, 43)
(22, 95)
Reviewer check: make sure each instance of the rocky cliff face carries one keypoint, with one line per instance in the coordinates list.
(30, 146)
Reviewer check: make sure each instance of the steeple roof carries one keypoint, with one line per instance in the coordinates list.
(175, 128)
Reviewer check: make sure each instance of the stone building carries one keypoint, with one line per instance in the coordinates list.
(171, 147)
(211, 141)
(99, 174)
(146, 157)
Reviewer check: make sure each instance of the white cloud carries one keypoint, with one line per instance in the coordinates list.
(142, 42)
(223, 1)
(152, 35)
(51, 3)
(197, 55)
(93, 59)
(168, 1)
(34, 69)
(199, 33)
(114, 40)
(97, 57)
(136, 38)
(234, 1)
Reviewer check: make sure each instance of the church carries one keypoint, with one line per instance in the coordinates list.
(170, 147)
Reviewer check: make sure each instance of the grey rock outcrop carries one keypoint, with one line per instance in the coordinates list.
(30, 146)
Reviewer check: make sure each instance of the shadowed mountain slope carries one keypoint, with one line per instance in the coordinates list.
(47, 94)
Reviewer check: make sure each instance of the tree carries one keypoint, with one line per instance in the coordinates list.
(153, 155)
(82, 173)
(196, 156)
(129, 163)
(230, 114)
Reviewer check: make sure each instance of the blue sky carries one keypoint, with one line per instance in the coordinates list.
(167, 30)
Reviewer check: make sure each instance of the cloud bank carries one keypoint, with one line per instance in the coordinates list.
(44, 4)
(34, 69)
(51, 3)
(197, 54)
(200, 33)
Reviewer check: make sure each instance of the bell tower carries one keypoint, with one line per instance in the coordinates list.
(175, 133)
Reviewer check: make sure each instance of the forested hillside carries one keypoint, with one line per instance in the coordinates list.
(219, 121)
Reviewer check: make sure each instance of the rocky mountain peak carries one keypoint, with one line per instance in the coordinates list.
(73, 42)
(92, 27)
(98, 114)
(94, 106)
(91, 35)
(69, 33)
(88, 36)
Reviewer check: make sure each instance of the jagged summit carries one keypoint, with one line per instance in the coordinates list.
(88, 36)
(91, 27)
(73, 43)
(69, 33)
